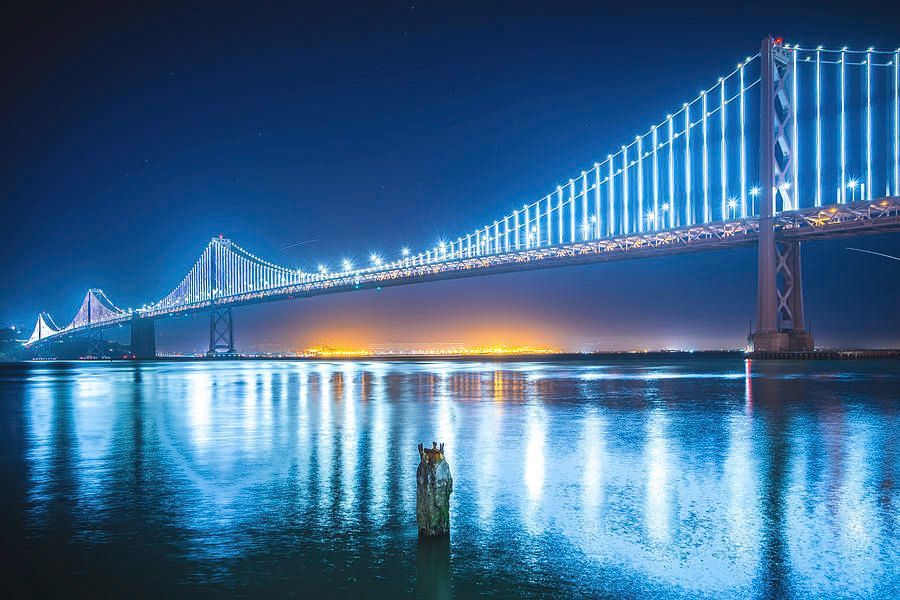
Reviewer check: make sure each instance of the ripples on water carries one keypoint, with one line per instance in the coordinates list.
(680, 478)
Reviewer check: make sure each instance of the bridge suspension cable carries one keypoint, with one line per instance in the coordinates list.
(225, 269)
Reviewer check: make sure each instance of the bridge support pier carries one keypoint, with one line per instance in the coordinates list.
(789, 296)
(143, 338)
(96, 344)
(780, 322)
(221, 333)
(44, 351)
(781, 298)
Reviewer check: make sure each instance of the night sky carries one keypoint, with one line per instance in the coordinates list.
(130, 136)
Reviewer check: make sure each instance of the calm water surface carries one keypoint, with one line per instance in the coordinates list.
(684, 478)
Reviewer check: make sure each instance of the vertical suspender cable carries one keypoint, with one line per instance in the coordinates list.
(842, 195)
(626, 225)
(795, 138)
(897, 123)
(705, 159)
(869, 182)
(584, 206)
(671, 199)
(611, 209)
(549, 224)
(640, 185)
(819, 127)
(723, 154)
(743, 154)
(655, 192)
(516, 225)
(527, 228)
(559, 213)
(505, 236)
(597, 200)
(571, 211)
(688, 213)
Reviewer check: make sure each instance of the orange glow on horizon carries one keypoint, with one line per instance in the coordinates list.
(429, 350)
(441, 339)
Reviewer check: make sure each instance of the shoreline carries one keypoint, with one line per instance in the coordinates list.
(824, 354)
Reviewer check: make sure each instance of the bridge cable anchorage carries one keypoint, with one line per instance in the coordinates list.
(833, 192)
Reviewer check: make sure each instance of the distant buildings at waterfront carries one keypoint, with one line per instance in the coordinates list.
(427, 349)
(10, 344)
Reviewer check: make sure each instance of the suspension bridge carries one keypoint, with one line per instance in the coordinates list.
(794, 144)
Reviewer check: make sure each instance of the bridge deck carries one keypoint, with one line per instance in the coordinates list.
(838, 220)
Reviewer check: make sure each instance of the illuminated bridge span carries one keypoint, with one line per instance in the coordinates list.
(792, 145)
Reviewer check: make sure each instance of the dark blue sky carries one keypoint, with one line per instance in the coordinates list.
(131, 135)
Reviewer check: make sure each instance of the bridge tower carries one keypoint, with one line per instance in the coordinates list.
(780, 321)
(221, 330)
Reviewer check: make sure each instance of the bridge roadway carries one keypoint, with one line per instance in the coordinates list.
(832, 221)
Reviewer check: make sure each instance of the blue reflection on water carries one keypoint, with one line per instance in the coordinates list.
(626, 478)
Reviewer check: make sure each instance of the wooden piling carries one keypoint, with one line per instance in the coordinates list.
(433, 488)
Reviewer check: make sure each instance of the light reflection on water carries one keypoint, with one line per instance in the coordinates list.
(682, 478)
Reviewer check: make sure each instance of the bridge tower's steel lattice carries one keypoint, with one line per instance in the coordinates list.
(221, 332)
(780, 322)
(96, 344)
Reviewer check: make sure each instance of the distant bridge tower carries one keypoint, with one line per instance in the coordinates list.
(221, 330)
(780, 321)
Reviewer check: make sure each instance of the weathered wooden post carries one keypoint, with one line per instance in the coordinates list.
(433, 488)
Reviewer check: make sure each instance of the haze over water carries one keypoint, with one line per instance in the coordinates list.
(680, 478)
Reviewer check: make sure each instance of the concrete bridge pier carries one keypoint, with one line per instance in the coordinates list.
(143, 338)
